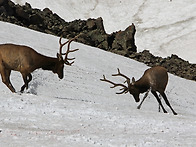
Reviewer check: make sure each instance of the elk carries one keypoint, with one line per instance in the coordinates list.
(154, 79)
(25, 60)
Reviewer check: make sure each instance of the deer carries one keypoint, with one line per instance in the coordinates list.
(25, 60)
(154, 79)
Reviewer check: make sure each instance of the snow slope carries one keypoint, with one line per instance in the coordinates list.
(163, 27)
(80, 110)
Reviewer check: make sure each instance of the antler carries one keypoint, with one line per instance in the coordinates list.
(125, 88)
(68, 49)
(120, 74)
(61, 46)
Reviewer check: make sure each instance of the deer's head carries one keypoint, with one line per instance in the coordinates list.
(131, 88)
(61, 61)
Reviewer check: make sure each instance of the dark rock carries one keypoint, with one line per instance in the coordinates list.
(99, 24)
(5, 7)
(21, 14)
(28, 6)
(91, 24)
(3, 10)
(3, 2)
(47, 11)
(36, 19)
(124, 40)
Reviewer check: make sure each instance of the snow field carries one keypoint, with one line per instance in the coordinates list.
(80, 110)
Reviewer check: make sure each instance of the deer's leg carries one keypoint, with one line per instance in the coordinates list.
(26, 78)
(159, 101)
(145, 96)
(159, 104)
(5, 74)
(167, 102)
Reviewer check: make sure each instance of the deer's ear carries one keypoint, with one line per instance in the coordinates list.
(133, 81)
(59, 57)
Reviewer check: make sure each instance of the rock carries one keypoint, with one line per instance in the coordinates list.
(3, 2)
(3, 10)
(91, 25)
(124, 40)
(47, 11)
(5, 7)
(21, 14)
(27, 5)
(35, 19)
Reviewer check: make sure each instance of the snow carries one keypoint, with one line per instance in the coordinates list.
(164, 27)
(80, 110)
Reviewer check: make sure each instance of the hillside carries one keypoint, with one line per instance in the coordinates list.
(80, 110)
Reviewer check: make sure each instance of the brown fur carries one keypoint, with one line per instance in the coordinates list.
(155, 78)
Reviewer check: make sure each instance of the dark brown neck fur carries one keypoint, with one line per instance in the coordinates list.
(142, 85)
(48, 63)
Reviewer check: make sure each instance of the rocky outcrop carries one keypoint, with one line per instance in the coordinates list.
(92, 33)
(173, 64)
(92, 30)
(124, 41)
